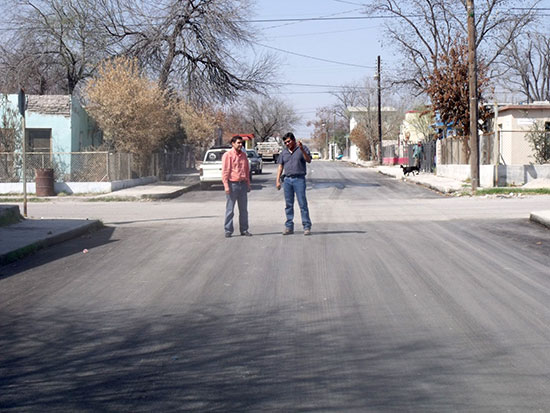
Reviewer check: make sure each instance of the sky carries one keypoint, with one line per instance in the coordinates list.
(355, 42)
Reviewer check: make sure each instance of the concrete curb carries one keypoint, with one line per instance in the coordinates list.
(541, 217)
(170, 195)
(435, 187)
(48, 241)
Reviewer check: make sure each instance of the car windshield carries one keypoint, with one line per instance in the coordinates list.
(213, 156)
(251, 154)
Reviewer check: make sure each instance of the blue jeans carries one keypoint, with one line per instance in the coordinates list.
(296, 186)
(238, 193)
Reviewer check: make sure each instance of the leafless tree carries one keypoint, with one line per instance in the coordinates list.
(266, 117)
(352, 94)
(422, 30)
(54, 44)
(528, 62)
(191, 45)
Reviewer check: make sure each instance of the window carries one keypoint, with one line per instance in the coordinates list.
(38, 140)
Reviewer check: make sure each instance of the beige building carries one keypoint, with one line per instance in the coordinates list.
(513, 124)
(416, 127)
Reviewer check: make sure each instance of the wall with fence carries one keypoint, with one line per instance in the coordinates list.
(90, 167)
(394, 154)
(508, 147)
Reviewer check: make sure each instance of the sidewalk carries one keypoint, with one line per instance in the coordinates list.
(20, 237)
(432, 181)
(448, 186)
(156, 190)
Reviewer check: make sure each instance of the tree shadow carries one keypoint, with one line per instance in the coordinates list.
(162, 219)
(313, 232)
(55, 252)
(211, 358)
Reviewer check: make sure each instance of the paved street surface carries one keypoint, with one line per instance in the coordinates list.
(401, 300)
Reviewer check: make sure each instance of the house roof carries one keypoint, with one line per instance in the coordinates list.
(364, 109)
(529, 106)
(50, 104)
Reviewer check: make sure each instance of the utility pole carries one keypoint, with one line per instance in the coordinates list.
(22, 104)
(379, 113)
(472, 83)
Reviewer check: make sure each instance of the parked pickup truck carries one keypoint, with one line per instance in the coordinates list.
(269, 150)
(210, 171)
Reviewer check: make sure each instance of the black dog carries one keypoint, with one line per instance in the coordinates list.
(408, 169)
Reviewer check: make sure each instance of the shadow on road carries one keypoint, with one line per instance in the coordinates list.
(161, 219)
(213, 359)
(56, 252)
(312, 233)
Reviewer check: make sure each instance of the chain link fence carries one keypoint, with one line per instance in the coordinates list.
(95, 166)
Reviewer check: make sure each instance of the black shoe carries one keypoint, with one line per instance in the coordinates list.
(288, 231)
(228, 235)
(246, 234)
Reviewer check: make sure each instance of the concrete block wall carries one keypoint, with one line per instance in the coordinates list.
(508, 175)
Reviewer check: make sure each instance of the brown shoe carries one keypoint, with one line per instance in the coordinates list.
(288, 231)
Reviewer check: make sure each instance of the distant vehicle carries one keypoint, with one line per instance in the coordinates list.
(315, 155)
(210, 171)
(269, 150)
(256, 163)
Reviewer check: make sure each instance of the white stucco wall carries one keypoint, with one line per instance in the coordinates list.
(78, 187)
(513, 175)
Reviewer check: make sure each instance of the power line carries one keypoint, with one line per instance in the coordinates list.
(314, 58)
(318, 85)
(330, 32)
(303, 19)
(349, 2)
(327, 15)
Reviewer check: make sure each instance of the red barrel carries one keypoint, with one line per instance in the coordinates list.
(44, 182)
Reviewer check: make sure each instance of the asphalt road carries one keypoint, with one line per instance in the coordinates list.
(401, 300)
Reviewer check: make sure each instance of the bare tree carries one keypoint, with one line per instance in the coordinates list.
(10, 125)
(539, 140)
(54, 45)
(422, 30)
(265, 117)
(191, 45)
(10, 139)
(528, 62)
(351, 94)
(331, 124)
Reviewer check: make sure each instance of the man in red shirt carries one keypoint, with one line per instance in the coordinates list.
(236, 181)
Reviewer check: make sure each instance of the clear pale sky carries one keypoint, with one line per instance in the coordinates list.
(348, 41)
